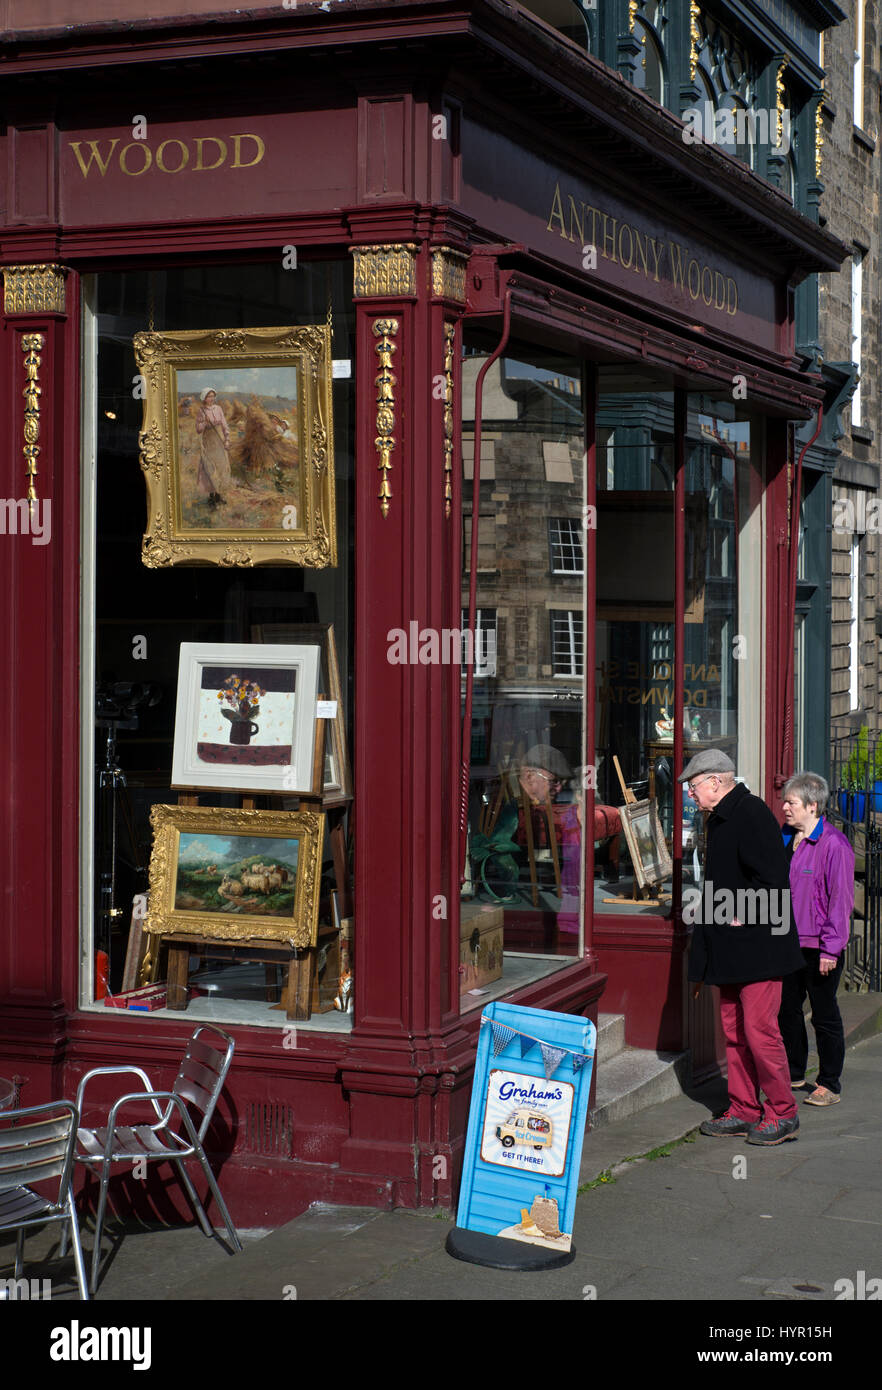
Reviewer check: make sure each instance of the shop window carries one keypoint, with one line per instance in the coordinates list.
(635, 709)
(135, 618)
(567, 642)
(521, 901)
(566, 545)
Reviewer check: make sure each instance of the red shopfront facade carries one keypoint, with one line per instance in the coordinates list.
(416, 222)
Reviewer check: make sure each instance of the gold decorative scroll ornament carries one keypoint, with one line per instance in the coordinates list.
(31, 345)
(386, 271)
(449, 337)
(694, 37)
(779, 101)
(385, 330)
(192, 892)
(34, 289)
(819, 135)
(449, 274)
(633, 7)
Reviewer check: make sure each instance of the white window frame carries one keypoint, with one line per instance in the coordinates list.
(574, 526)
(575, 651)
(859, 64)
(857, 287)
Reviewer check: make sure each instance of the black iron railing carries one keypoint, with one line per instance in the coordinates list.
(855, 808)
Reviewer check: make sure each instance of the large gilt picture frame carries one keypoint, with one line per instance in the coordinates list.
(230, 875)
(237, 447)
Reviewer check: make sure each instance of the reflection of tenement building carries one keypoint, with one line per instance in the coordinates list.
(438, 169)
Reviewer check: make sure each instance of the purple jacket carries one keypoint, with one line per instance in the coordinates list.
(822, 887)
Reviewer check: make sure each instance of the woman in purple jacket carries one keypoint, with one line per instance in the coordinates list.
(822, 899)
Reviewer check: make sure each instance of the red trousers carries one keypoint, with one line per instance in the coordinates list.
(755, 1052)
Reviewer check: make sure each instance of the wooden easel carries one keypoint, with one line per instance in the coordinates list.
(299, 990)
(644, 900)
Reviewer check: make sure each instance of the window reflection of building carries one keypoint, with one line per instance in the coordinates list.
(530, 578)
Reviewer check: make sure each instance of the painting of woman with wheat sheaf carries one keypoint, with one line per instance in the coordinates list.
(239, 449)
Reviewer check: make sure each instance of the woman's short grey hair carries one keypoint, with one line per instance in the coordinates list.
(808, 787)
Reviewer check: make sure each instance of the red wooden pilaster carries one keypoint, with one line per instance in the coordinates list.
(39, 379)
(405, 879)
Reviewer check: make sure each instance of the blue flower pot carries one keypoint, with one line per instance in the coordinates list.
(853, 804)
(876, 799)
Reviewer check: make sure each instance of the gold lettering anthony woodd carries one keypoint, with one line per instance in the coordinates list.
(655, 258)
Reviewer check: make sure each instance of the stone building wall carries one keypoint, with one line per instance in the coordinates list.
(850, 208)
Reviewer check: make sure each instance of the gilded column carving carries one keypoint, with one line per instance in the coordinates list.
(819, 136)
(31, 345)
(449, 274)
(34, 289)
(633, 6)
(386, 271)
(694, 37)
(449, 339)
(779, 101)
(385, 330)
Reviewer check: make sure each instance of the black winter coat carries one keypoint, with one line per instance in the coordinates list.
(744, 851)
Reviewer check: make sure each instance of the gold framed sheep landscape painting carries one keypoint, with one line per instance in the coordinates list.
(230, 875)
(237, 447)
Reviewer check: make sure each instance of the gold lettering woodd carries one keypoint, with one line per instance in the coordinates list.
(385, 330)
(386, 271)
(33, 289)
(137, 157)
(31, 344)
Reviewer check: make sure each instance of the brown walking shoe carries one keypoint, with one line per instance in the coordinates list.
(821, 1096)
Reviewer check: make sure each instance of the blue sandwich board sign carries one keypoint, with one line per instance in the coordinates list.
(524, 1140)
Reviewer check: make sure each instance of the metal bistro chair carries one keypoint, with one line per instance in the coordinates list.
(39, 1147)
(197, 1087)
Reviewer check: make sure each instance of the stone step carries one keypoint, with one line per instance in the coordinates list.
(635, 1078)
(610, 1035)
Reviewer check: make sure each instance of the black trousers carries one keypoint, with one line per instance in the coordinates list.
(826, 1020)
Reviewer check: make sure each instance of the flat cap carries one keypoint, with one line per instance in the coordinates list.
(711, 760)
(544, 756)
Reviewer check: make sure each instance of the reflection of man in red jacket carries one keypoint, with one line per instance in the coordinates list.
(543, 773)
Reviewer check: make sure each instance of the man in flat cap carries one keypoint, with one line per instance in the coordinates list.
(745, 942)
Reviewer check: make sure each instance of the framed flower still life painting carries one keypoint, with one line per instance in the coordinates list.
(245, 718)
(237, 447)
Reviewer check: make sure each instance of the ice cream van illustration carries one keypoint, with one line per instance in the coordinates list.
(525, 1126)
